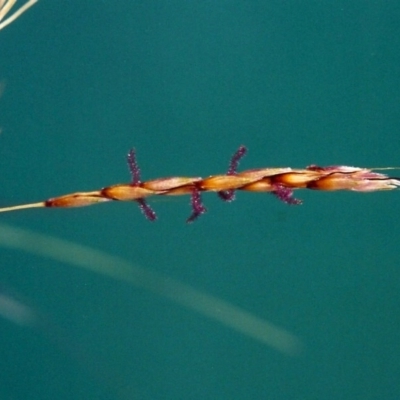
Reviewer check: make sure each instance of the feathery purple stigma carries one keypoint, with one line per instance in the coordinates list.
(285, 194)
(234, 163)
(134, 169)
(197, 205)
(147, 211)
(229, 195)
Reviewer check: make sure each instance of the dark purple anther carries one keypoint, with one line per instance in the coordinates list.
(285, 194)
(229, 195)
(134, 169)
(197, 206)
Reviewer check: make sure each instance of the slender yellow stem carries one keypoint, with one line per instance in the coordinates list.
(6, 8)
(22, 207)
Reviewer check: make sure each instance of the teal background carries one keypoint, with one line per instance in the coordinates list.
(186, 83)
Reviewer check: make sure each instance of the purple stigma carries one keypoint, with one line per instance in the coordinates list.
(197, 206)
(229, 195)
(285, 194)
(234, 163)
(134, 169)
(147, 211)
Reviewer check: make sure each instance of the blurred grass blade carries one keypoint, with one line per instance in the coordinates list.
(115, 267)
